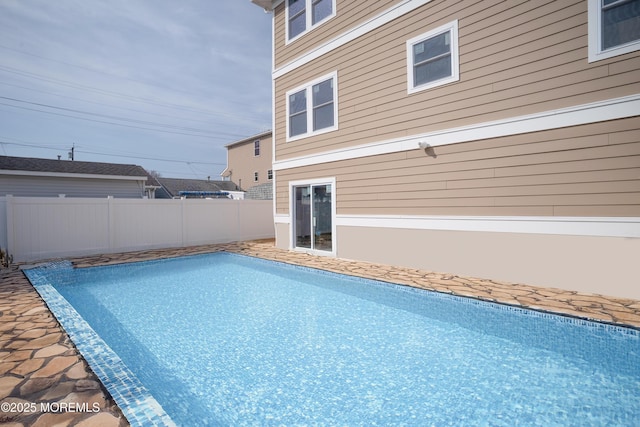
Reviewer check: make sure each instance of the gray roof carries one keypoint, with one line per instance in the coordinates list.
(173, 186)
(66, 166)
(261, 135)
(260, 192)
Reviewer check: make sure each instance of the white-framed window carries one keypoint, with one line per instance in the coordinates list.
(313, 108)
(614, 28)
(270, 174)
(255, 177)
(303, 15)
(256, 148)
(432, 58)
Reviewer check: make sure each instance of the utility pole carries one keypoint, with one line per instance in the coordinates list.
(71, 153)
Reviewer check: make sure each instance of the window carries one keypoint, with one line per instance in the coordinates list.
(303, 15)
(255, 177)
(614, 28)
(270, 174)
(432, 58)
(256, 148)
(312, 109)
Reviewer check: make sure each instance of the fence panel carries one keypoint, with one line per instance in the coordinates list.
(40, 228)
(211, 220)
(249, 222)
(146, 224)
(3, 223)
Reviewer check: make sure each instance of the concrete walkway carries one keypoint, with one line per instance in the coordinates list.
(44, 381)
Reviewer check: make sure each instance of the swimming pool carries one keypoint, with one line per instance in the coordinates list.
(224, 339)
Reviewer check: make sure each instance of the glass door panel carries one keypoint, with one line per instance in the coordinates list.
(322, 218)
(302, 217)
(313, 227)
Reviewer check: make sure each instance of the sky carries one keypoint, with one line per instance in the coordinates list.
(163, 84)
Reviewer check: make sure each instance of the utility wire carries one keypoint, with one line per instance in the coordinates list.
(140, 157)
(93, 89)
(114, 123)
(146, 83)
(150, 158)
(120, 107)
(184, 128)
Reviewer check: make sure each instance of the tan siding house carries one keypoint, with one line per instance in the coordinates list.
(249, 161)
(498, 139)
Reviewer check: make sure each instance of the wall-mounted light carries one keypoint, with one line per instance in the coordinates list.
(423, 145)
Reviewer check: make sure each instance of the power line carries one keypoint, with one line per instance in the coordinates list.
(146, 83)
(150, 158)
(112, 123)
(115, 94)
(120, 107)
(98, 153)
(120, 118)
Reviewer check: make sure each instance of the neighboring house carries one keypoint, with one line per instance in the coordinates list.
(31, 177)
(486, 138)
(249, 161)
(260, 192)
(176, 188)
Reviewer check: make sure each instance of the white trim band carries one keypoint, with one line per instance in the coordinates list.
(574, 226)
(610, 109)
(627, 227)
(381, 19)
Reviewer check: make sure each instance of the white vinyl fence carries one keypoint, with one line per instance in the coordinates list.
(36, 228)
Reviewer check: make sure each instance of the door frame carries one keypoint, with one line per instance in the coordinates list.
(292, 223)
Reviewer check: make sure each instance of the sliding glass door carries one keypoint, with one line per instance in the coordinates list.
(313, 224)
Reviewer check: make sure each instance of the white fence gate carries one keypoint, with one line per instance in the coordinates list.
(35, 228)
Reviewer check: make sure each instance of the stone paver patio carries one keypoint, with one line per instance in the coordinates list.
(44, 381)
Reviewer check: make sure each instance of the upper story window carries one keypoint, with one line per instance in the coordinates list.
(255, 177)
(614, 28)
(256, 147)
(432, 58)
(270, 174)
(303, 15)
(312, 109)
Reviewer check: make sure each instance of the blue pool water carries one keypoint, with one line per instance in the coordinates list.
(223, 339)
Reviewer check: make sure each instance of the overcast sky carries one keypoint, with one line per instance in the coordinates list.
(134, 81)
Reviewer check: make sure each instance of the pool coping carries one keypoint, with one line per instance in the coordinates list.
(603, 309)
(132, 397)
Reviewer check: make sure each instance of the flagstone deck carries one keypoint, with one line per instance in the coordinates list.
(44, 381)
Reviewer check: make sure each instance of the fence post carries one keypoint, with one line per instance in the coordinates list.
(111, 220)
(10, 234)
(183, 219)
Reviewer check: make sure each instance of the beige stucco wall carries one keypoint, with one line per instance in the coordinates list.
(283, 238)
(601, 265)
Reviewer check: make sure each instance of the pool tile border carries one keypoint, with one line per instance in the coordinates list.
(136, 402)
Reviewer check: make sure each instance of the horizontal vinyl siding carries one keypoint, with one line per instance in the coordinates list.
(31, 186)
(516, 58)
(589, 170)
(349, 14)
